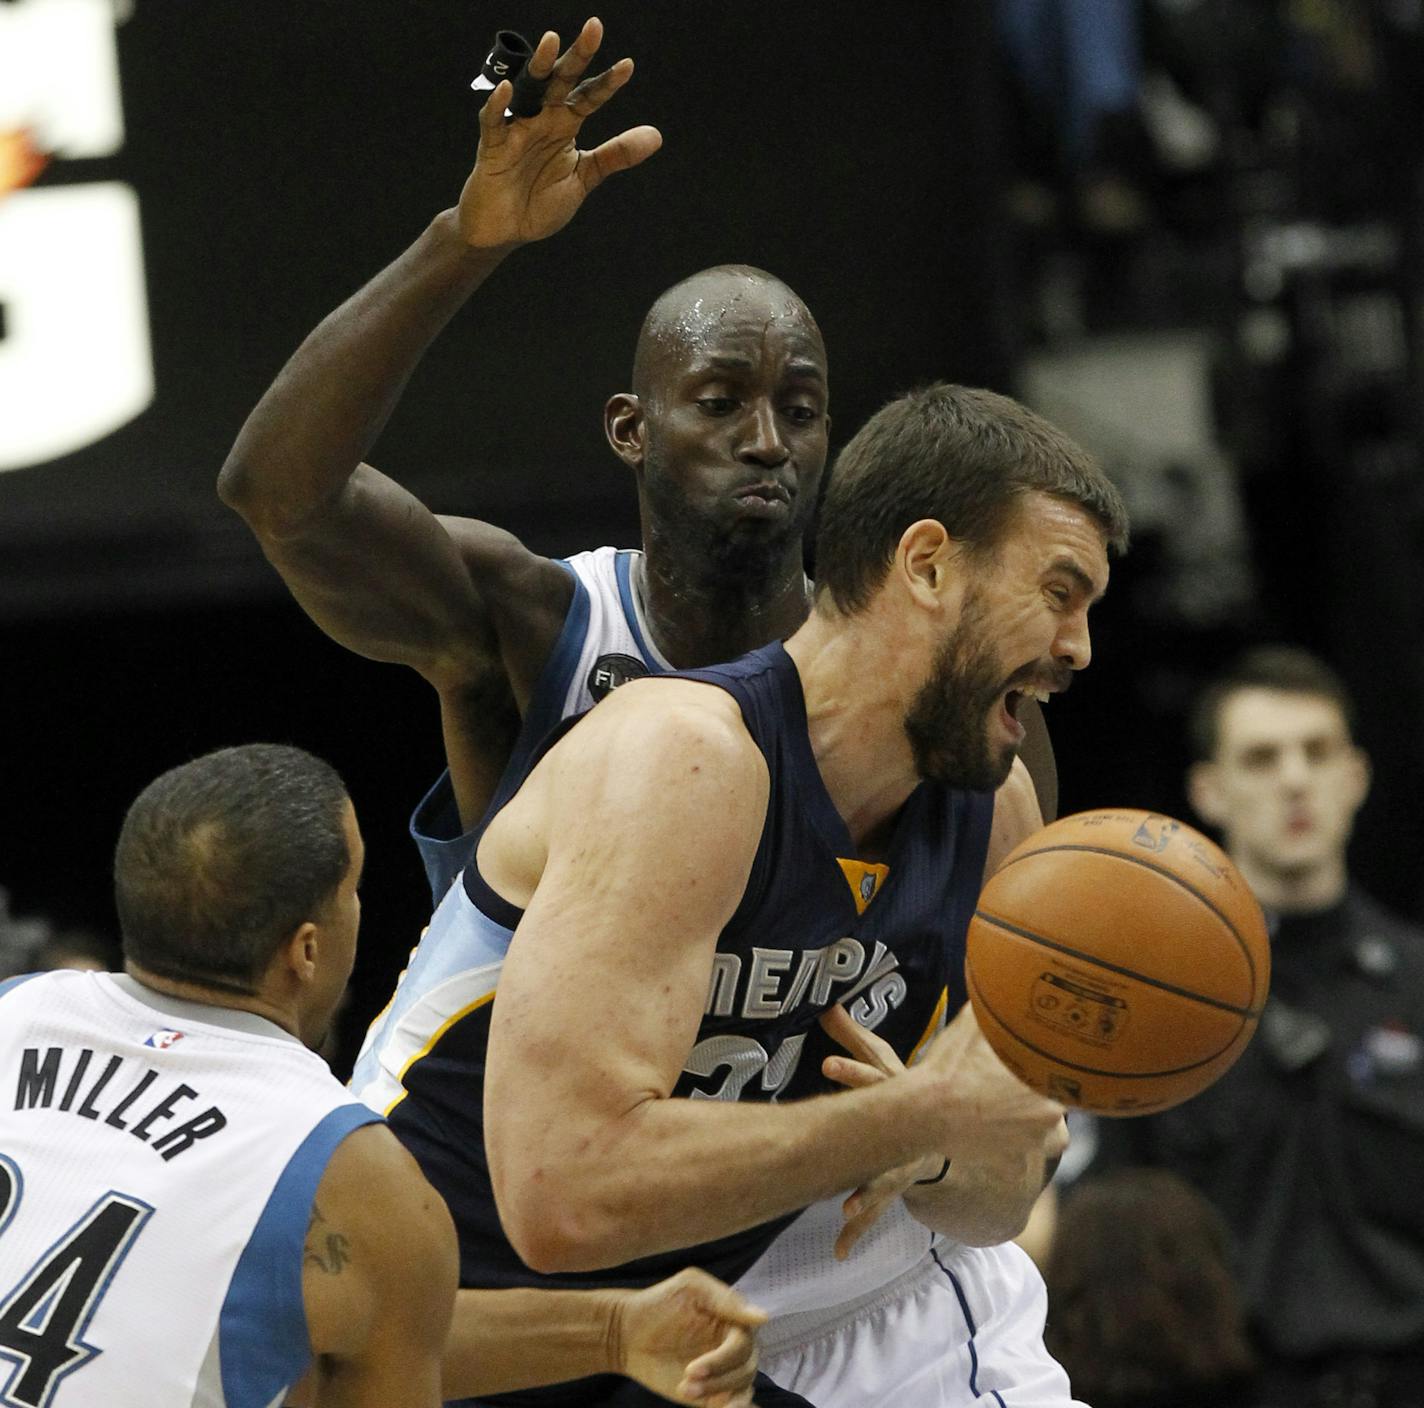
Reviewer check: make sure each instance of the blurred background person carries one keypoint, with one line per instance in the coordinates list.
(82, 949)
(1144, 1310)
(1311, 1146)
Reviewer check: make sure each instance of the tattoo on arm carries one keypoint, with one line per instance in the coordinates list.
(326, 1250)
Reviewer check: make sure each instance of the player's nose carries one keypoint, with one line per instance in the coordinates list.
(762, 441)
(1074, 645)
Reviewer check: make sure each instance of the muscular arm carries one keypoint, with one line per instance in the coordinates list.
(378, 1278)
(465, 604)
(660, 804)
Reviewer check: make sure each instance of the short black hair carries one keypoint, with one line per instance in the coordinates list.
(1285, 668)
(958, 455)
(223, 858)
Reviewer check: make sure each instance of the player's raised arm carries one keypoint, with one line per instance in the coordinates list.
(366, 560)
(637, 845)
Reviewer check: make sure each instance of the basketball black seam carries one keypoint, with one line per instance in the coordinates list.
(1160, 870)
(1097, 962)
(1094, 1070)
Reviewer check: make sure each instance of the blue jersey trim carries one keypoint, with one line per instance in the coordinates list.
(445, 850)
(969, 1321)
(622, 569)
(546, 703)
(263, 1344)
(11, 983)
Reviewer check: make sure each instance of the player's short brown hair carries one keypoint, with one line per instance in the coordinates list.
(958, 455)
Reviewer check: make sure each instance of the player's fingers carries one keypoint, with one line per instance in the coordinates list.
(727, 1369)
(854, 1074)
(492, 125)
(864, 1045)
(618, 154)
(592, 93)
(735, 1352)
(574, 60)
(720, 1301)
(856, 1227)
(541, 61)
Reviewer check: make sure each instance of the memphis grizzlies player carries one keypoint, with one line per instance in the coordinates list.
(706, 865)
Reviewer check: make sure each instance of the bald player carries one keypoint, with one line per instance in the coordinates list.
(725, 430)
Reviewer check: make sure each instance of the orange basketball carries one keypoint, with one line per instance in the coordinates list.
(1118, 962)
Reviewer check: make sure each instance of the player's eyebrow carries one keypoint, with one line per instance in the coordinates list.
(1069, 568)
(801, 368)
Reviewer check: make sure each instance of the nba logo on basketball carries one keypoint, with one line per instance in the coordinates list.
(161, 1041)
(1156, 833)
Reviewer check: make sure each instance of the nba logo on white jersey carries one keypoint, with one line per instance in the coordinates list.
(161, 1041)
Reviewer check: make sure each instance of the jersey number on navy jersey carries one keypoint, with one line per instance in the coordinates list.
(44, 1316)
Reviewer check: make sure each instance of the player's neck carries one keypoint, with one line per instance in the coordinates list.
(857, 732)
(699, 613)
(214, 997)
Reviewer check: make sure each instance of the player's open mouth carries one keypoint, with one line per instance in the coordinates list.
(1009, 706)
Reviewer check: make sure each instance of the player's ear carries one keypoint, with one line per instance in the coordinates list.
(300, 951)
(1204, 793)
(923, 559)
(623, 425)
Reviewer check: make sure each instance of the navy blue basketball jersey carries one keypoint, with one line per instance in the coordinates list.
(816, 925)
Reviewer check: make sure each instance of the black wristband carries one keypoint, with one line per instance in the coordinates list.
(938, 1178)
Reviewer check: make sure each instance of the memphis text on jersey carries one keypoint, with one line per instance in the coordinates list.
(117, 1093)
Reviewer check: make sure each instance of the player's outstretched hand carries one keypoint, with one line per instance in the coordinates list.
(690, 1338)
(530, 176)
(874, 1060)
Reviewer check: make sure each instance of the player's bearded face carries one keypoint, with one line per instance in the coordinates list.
(949, 722)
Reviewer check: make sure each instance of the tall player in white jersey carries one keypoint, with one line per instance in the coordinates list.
(195, 1214)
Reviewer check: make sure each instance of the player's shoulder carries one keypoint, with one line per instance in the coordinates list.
(499, 562)
(658, 736)
(662, 713)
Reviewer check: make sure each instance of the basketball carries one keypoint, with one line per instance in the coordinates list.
(1117, 961)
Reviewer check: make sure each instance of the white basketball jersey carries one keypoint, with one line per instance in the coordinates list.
(604, 641)
(158, 1161)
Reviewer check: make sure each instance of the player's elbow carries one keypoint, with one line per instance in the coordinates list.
(270, 511)
(561, 1222)
(553, 1233)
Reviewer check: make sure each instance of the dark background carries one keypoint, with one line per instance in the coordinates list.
(283, 153)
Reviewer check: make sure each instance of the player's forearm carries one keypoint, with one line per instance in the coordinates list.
(320, 417)
(675, 1173)
(979, 1203)
(506, 1340)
